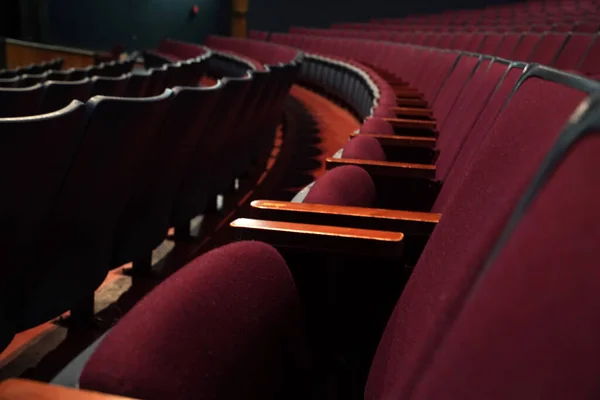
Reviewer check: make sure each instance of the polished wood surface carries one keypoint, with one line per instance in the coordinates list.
(21, 389)
(21, 53)
(321, 238)
(411, 123)
(407, 94)
(407, 222)
(417, 112)
(386, 168)
(402, 141)
(411, 103)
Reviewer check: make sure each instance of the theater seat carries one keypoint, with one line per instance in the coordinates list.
(39, 174)
(213, 338)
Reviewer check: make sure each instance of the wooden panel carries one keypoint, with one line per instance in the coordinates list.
(239, 9)
(21, 389)
(321, 238)
(20, 53)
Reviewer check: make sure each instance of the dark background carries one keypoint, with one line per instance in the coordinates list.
(140, 24)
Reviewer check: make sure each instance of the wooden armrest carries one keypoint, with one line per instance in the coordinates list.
(401, 141)
(407, 94)
(386, 168)
(407, 222)
(416, 112)
(321, 238)
(411, 123)
(421, 103)
(22, 389)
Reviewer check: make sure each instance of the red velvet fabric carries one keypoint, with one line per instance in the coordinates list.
(225, 326)
(377, 125)
(343, 186)
(364, 147)
(499, 173)
(530, 329)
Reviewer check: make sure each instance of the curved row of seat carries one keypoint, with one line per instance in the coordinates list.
(32, 69)
(499, 222)
(122, 171)
(52, 91)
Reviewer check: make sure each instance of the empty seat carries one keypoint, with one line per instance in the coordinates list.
(137, 86)
(39, 175)
(80, 231)
(10, 82)
(57, 94)
(144, 223)
(32, 79)
(19, 102)
(157, 83)
(273, 334)
(107, 86)
(573, 51)
(548, 48)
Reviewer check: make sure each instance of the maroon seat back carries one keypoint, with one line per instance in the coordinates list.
(206, 342)
(343, 186)
(573, 51)
(529, 327)
(497, 177)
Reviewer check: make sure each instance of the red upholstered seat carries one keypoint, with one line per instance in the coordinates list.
(225, 326)
(363, 147)
(376, 125)
(529, 328)
(343, 186)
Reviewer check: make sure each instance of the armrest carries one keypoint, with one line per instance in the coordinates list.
(407, 94)
(413, 112)
(402, 141)
(411, 123)
(21, 389)
(386, 168)
(321, 238)
(407, 222)
(411, 103)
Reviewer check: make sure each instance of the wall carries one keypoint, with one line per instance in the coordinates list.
(136, 24)
(279, 15)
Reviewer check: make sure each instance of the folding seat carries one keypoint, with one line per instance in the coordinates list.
(10, 82)
(26, 159)
(59, 94)
(19, 102)
(527, 45)
(445, 41)
(153, 59)
(8, 73)
(548, 48)
(546, 350)
(573, 51)
(461, 41)
(144, 223)
(475, 43)
(431, 328)
(508, 45)
(137, 85)
(107, 86)
(77, 241)
(156, 84)
(490, 44)
(590, 63)
(563, 27)
(31, 79)
(586, 27)
(97, 70)
(200, 181)
(470, 226)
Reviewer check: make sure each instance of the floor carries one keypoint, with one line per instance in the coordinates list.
(40, 353)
